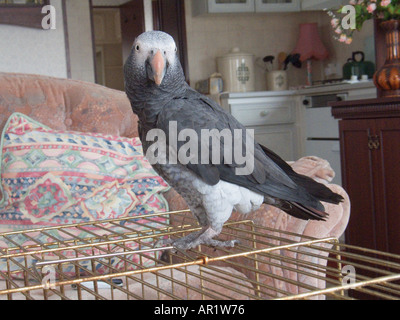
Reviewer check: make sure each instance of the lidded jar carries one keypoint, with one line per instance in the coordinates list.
(237, 69)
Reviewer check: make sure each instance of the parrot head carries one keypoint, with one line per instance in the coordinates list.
(153, 58)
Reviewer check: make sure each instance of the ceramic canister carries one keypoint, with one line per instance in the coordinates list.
(277, 81)
(237, 69)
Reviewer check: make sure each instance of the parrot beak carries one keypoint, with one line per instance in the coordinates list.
(158, 67)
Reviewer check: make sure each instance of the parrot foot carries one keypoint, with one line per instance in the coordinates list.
(198, 238)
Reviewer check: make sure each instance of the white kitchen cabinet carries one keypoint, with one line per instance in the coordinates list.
(282, 122)
(277, 5)
(232, 6)
(309, 5)
(273, 119)
(222, 6)
(280, 139)
(237, 6)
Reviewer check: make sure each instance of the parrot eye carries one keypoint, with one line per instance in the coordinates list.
(176, 49)
(137, 48)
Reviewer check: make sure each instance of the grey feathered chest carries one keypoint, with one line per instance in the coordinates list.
(176, 175)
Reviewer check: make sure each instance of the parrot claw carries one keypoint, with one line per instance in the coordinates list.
(184, 244)
(175, 243)
(197, 238)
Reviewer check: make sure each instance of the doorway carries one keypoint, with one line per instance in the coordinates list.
(108, 47)
(115, 28)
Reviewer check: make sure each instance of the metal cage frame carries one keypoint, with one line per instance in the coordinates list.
(116, 259)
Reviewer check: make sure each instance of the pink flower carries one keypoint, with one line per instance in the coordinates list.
(371, 7)
(335, 22)
(365, 10)
(343, 38)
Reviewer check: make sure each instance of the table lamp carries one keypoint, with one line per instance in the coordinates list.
(310, 47)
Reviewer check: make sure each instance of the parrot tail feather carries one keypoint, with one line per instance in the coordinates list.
(300, 211)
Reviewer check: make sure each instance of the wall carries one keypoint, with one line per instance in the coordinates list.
(34, 51)
(210, 36)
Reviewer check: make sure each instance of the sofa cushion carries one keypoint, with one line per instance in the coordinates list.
(52, 177)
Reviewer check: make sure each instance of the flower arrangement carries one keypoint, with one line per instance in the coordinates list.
(359, 11)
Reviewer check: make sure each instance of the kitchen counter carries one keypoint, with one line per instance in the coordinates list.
(319, 89)
(336, 87)
(286, 122)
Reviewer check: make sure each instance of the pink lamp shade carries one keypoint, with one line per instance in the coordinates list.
(309, 45)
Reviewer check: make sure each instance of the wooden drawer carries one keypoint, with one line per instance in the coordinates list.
(265, 113)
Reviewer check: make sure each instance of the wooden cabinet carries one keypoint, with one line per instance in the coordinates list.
(232, 6)
(370, 153)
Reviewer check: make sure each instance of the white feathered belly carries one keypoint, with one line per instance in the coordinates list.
(225, 197)
(215, 202)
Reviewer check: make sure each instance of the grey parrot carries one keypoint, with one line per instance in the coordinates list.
(159, 95)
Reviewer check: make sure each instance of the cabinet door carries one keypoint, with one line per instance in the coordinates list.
(371, 174)
(358, 181)
(280, 139)
(221, 6)
(321, 4)
(388, 182)
(277, 5)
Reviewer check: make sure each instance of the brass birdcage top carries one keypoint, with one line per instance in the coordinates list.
(117, 260)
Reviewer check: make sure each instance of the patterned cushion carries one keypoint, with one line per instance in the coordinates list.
(55, 177)
(52, 177)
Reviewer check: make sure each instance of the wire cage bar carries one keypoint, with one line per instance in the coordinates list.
(118, 260)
